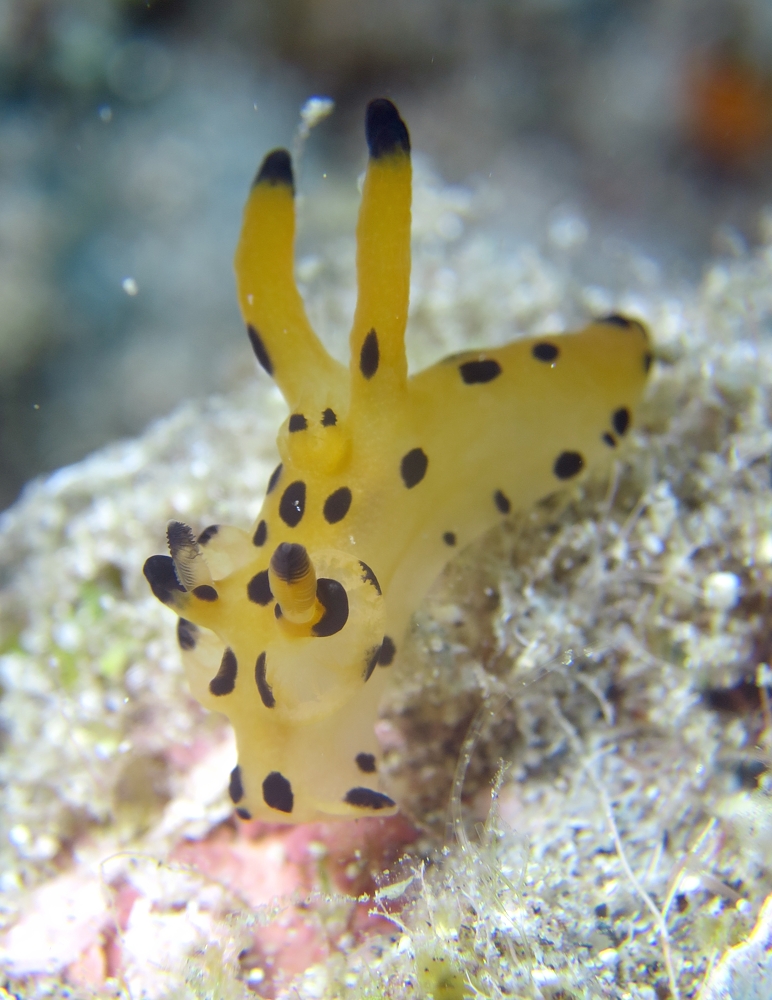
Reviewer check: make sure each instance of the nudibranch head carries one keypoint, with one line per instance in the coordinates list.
(289, 629)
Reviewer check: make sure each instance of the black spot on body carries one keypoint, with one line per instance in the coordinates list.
(297, 422)
(205, 593)
(244, 814)
(609, 439)
(277, 792)
(208, 534)
(365, 762)
(544, 351)
(290, 562)
(336, 505)
(369, 577)
(186, 634)
(370, 355)
(387, 652)
(264, 689)
(159, 573)
(328, 418)
(235, 787)
(413, 467)
(261, 534)
(648, 359)
(275, 475)
(368, 798)
(224, 680)
(293, 503)
(334, 599)
(260, 350)
(276, 169)
(568, 464)
(385, 131)
(259, 589)
(449, 538)
(473, 372)
(616, 319)
(371, 662)
(621, 420)
(277, 611)
(503, 505)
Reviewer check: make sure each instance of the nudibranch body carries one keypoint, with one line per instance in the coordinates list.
(290, 629)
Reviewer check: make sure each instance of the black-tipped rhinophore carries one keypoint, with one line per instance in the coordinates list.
(159, 573)
(385, 131)
(276, 168)
(290, 562)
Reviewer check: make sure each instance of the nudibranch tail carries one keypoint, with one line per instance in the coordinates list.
(378, 363)
(277, 325)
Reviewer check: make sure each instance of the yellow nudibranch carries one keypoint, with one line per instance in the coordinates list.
(290, 629)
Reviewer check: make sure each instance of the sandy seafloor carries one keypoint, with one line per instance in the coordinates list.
(600, 662)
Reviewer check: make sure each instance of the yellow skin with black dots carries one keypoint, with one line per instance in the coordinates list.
(290, 629)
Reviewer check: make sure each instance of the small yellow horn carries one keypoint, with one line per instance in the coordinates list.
(293, 582)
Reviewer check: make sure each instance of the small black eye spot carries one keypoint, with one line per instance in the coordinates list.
(259, 349)
(479, 372)
(205, 593)
(275, 476)
(449, 537)
(224, 680)
(368, 798)
(334, 599)
(260, 535)
(264, 689)
(277, 792)
(568, 464)
(413, 467)
(235, 787)
(337, 504)
(293, 504)
(208, 534)
(259, 589)
(648, 360)
(621, 420)
(329, 419)
(370, 355)
(186, 634)
(502, 501)
(387, 653)
(371, 662)
(545, 351)
(365, 762)
(609, 439)
(297, 422)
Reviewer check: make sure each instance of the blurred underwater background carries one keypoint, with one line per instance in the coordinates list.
(129, 131)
